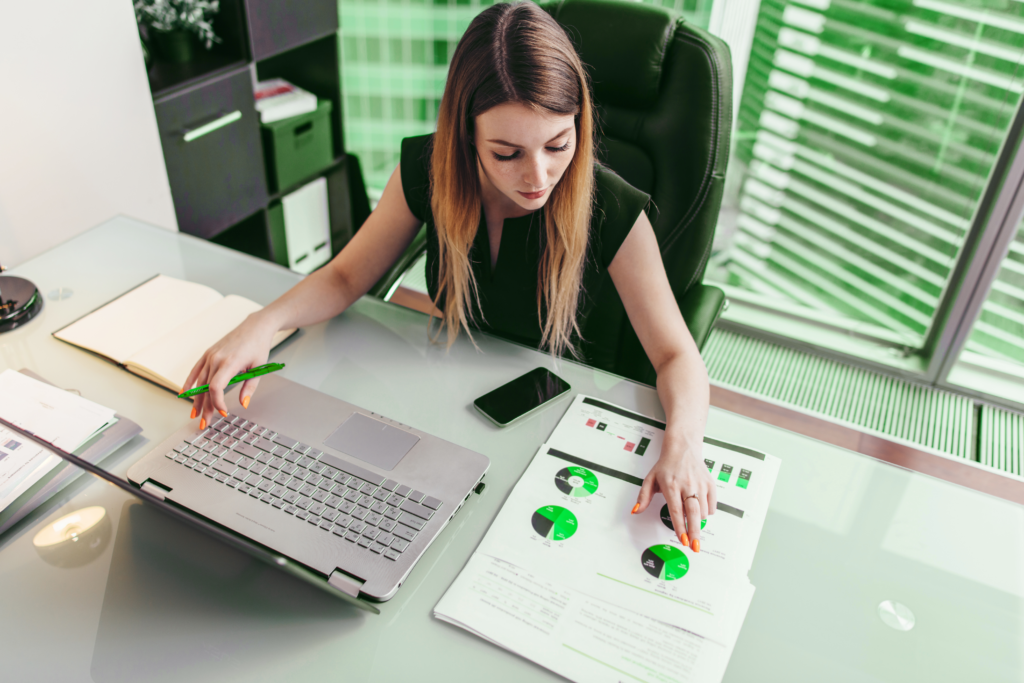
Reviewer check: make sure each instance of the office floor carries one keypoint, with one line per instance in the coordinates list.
(742, 372)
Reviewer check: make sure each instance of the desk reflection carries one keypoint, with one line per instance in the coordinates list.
(76, 539)
(182, 606)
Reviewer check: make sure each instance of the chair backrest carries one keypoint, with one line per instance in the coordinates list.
(663, 91)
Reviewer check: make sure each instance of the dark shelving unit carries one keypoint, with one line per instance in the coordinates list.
(276, 27)
(240, 236)
(165, 78)
(278, 195)
(210, 130)
(230, 53)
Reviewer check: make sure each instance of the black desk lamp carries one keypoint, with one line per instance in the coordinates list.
(20, 301)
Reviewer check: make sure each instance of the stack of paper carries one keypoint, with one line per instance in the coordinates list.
(64, 419)
(568, 578)
(278, 99)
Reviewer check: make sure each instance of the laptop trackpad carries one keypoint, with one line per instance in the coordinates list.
(372, 441)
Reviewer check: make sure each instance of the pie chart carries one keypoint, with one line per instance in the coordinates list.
(665, 562)
(666, 518)
(554, 523)
(578, 482)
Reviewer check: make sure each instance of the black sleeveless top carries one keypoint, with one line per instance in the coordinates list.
(508, 292)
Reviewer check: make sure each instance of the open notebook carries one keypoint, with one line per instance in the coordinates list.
(161, 328)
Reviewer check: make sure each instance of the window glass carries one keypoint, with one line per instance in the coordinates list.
(864, 135)
(395, 57)
(864, 138)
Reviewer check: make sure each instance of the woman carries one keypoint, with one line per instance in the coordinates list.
(522, 229)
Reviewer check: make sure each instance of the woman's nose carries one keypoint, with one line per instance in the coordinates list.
(535, 173)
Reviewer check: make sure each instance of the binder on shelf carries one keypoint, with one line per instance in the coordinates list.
(300, 228)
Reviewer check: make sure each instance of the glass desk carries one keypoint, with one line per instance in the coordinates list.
(146, 599)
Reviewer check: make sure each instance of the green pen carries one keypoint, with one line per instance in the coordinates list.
(248, 374)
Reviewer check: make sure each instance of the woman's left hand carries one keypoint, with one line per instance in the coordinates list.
(689, 490)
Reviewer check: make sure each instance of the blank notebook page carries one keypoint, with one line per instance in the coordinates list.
(132, 322)
(173, 356)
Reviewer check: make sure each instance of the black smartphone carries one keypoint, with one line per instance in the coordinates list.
(521, 396)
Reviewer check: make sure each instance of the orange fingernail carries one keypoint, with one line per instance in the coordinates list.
(696, 545)
(245, 401)
(193, 415)
(223, 413)
(635, 508)
(684, 539)
(202, 423)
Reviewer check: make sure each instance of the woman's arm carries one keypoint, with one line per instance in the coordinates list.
(321, 296)
(680, 474)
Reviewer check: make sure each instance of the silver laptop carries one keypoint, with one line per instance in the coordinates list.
(322, 487)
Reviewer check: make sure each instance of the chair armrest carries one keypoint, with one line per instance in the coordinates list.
(700, 307)
(404, 262)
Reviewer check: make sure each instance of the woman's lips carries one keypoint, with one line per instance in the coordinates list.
(532, 195)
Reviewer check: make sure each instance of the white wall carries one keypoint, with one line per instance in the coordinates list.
(78, 136)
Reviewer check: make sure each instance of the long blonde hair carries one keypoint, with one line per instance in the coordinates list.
(513, 53)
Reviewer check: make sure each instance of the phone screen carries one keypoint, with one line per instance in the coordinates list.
(521, 395)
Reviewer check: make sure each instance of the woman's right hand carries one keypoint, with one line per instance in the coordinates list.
(245, 347)
(320, 296)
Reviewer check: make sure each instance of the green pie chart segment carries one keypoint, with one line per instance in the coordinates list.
(665, 562)
(578, 482)
(554, 523)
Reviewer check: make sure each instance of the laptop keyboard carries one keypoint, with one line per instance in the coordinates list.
(373, 512)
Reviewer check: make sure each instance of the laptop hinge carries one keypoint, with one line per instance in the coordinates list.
(346, 583)
(155, 489)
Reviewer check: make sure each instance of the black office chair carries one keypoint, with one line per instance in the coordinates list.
(663, 90)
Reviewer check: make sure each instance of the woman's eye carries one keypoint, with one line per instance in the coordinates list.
(515, 155)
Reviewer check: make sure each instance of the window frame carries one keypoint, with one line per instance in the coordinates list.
(987, 242)
(986, 246)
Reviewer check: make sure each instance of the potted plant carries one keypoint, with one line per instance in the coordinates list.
(175, 25)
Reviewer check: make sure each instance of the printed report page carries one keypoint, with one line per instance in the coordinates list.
(22, 464)
(568, 577)
(580, 637)
(587, 538)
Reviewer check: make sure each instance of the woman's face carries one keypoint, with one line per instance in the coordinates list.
(523, 153)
